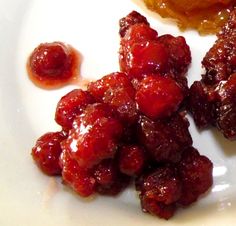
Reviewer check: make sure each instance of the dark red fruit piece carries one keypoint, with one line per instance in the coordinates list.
(140, 53)
(79, 179)
(131, 159)
(132, 18)
(144, 58)
(46, 152)
(51, 64)
(195, 171)
(156, 208)
(178, 128)
(226, 113)
(160, 190)
(71, 105)
(94, 136)
(179, 53)
(163, 185)
(164, 141)
(199, 105)
(122, 100)
(158, 97)
(212, 100)
(138, 33)
(220, 60)
(111, 81)
(105, 172)
(117, 91)
(109, 180)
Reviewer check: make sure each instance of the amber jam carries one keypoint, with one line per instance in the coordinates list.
(53, 65)
(207, 16)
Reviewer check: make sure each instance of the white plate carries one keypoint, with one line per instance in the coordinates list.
(29, 198)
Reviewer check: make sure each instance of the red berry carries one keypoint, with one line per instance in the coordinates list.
(164, 140)
(111, 81)
(131, 160)
(219, 62)
(160, 190)
(179, 53)
(78, 178)
(46, 152)
(109, 180)
(52, 64)
(71, 105)
(138, 33)
(144, 58)
(226, 111)
(199, 105)
(131, 19)
(117, 91)
(122, 100)
(158, 97)
(158, 209)
(196, 174)
(105, 172)
(93, 137)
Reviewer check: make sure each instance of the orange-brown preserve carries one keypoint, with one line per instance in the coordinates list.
(204, 15)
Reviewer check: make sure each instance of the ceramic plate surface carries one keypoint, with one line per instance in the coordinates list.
(29, 198)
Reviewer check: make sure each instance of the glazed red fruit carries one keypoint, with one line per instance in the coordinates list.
(79, 179)
(145, 58)
(94, 136)
(140, 53)
(157, 208)
(109, 179)
(117, 91)
(71, 105)
(52, 64)
(179, 53)
(111, 81)
(46, 152)
(131, 159)
(160, 190)
(199, 105)
(158, 97)
(164, 141)
(132, 18)
(196, 174)
(220, 60)
(226, 112)
(138, 33)
(105, 172)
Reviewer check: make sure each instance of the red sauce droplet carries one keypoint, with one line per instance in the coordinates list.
(53, 65)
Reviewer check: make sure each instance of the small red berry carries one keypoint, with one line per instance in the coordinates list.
(71, 105)
(195, 171)
(131, 19)
(46, 152)
(158, 97)
(131, 160)
(79, 179)
(93, 137)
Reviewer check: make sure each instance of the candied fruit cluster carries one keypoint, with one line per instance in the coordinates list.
(212, 101)
(131, 126)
